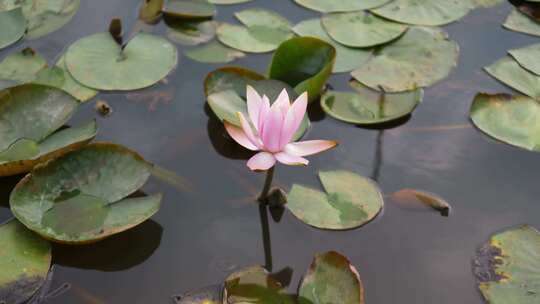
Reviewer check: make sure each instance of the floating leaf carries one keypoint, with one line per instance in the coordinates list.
(426, 12)
(228, 1)
(413, 198)
(80, 197)
(189, 9)
(507, 268)
(72, 86)
(53, 77)
(22, 66)
(368, 106)
(420, 58)
(486, 3)
(13, 25)
(331, 279)
(208, 295)
(254, 285)
(214, 52)
(45, 17)
(98, 62)
(361, 29)
(528, 57)
(150, 10)
(304, 63)
(347, 59)
(530, 8)
(25, 260)
(522, 23)
(350, 201)
(509, 72)
(191, 32)
(230, 78)
(332, 6)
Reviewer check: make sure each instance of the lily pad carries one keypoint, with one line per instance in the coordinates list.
(80, 197)
(25, 260)
(214, 52)
(528, 57)
(13, 25)
(22, 66)
(230, 78)
(424, 12)
(486, 3)
(514, 120)
(72, 86)
(53, 77)
(529, 8)
(509, 72)
(420, 58)
(304, 63)
(332, 6)
(331, 279)
(507, 268)
(519, 22)
(350, 201)
(361, 29)
(347, 59)
(191, 32)
(228, 1)
(189, 9)
(45, 17)
(98, 62)
(254, 285)
(367, 106)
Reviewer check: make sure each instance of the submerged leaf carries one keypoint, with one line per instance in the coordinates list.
(426, 12)
(214, 52)
(333, 6)
(13, 25)
(519, 22)
(509, 72)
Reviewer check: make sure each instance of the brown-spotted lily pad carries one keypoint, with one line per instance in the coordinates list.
(25, 259)
(349, 201)
(22, 66)
(80, 197)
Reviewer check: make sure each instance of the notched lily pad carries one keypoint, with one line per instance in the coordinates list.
(509, 72)
(13, 25)
(189, 9)
(333, 6)
(80, 197)
(350, 201)
(519, 22)
(425, 12)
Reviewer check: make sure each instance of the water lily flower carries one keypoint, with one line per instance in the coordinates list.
(271, 130)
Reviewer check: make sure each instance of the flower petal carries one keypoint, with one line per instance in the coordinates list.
(254, 103)
(309, 147)
(239, 136)
(263, 113)
(289, 159)
(248, 131)
(293, 119)
(282, 102)
(272, 130)
(261, 161)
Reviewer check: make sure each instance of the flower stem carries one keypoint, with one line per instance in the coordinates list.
(263, 198)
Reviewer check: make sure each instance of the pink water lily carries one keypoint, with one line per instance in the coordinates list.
(271, 131)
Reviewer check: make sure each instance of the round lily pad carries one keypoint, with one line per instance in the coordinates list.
(72, 86)
(22, 66)
(189, 9)
(507, 268)
(191, 32)
(332, 6)
(98, 62)
(25, 260)
(510, 119)
(331, 278)
(424, 12)
(509, 72)
(350, 201)
(214, 52)
(367, 106)
(80, 197)
(528, 57)
(347, 59)
(519, 22)
(361, 29)
(13, 25)
(420, 58)
(45, 17)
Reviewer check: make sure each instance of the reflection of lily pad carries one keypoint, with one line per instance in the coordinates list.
(420, 58)
(331, 279)
(368, 106)
(511, 119)
(22, 66)
(361, 29)
(519, 22)
(214, 52)
(304, 63)
(81, 196)
(347, 59)
(334, 6)
(350, 201)
(509, 72)
(426, 12)
(191, 32)
(189, 9)
(25, 260)
(47, 16)
(98, 62)
(507, 268)
(528, 57)
(13, 25)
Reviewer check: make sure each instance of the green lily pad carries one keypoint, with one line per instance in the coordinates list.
(507, 268)
(486, 3)
(530, 8)
(72, 86)
(189, 9)
(424, 12)
(347, 59)
(254, 285)
(326, 6)
(53, 76)
(509, 72)
(514, 120)
(331, 279)
(150, 10)
(214, 52)
(304, 63)
(25, 260)
(22, 66)
(45, 17)
(261, 17)
(228, 1)
(519, 22)
(350, 201)
(420, 58)
(528, 57)
(361, 29)
(208, 295)
(367, 106)
(191, 32)
(80, 197)
(226, 78)
(13, 25)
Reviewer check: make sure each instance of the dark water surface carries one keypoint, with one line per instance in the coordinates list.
(202, 234)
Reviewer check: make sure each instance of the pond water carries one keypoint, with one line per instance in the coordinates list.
(209, 224)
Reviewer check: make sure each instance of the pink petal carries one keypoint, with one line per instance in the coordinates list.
(272, 130)
(282, 102)
(248, 131)
(239, 136)
(254, 103)
(261, 161)
(291, 160)
(310, 147)
(263, 113)
(293, 119)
